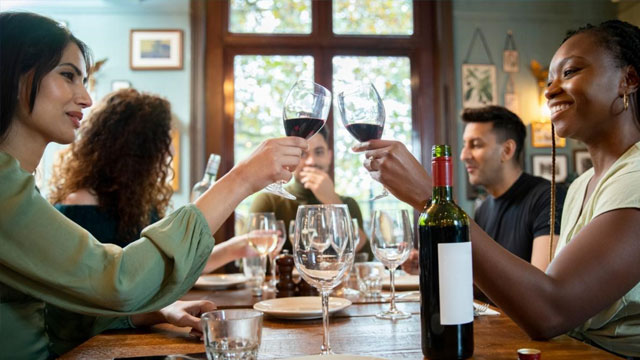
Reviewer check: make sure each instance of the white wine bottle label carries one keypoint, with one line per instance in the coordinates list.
(456, 283)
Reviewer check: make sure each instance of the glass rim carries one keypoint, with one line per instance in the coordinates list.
(323, 206)
(326, 92)
(248, 314)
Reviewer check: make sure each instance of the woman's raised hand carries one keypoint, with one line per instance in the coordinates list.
(271, 161)
(391, 163)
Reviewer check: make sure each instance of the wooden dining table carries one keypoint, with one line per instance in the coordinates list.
(354, 330)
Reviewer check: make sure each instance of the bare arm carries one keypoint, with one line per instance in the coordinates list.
(235, 248)
(265, 166)
(540, 251)
(595, 269)
(390, 163)
(575, 287)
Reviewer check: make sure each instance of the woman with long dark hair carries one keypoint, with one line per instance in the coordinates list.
(44, 257)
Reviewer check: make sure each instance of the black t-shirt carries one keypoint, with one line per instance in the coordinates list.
(521, 214)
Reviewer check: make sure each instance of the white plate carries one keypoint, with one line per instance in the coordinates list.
(300, 308)
(403, 282)
(336, 357)
(220, 281)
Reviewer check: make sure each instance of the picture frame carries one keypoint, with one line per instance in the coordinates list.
(581, 160)
(510, 61)
(156, 49)
(541, 165)
(120, 84)
(541, 135)
(479, 85)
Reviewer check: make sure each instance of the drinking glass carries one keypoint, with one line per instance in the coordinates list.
(391, 242)
(232, 334)
(351, 281)
(323, 251)
(262, 235)
(282, 235)
(305, 111)
(292, 231)
(362, 113)
(253, 270)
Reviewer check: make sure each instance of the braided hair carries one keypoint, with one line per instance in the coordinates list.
(622, 40)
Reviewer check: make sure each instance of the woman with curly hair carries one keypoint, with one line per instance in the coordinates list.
(112, 180)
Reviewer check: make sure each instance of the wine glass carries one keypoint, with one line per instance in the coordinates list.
(305, 111)
(262, 235)
(282, 235)
(362, 113)
(391, 242)
(323, 251)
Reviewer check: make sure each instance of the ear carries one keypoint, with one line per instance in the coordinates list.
(631, 80)
(508, 150)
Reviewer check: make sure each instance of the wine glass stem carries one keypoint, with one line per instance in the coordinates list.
(326, 348)
(263, 265)
(393, 289)
(273, 268)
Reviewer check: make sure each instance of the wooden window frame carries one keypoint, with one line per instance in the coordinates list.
(429, 49)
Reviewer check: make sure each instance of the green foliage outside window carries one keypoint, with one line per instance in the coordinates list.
(373, 17)
(270, 16)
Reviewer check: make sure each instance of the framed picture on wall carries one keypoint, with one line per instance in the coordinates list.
(541, 135)
(542, 166)
(582, 160)
(479, 85)
(155, 50)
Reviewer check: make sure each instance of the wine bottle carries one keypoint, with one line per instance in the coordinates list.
(446, 279)
(208, 179)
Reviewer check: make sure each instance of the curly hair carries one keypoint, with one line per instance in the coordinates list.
(122, 155)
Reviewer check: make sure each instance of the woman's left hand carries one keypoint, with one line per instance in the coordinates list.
(187, 313)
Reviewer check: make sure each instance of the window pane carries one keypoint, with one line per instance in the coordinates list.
(391, 77)
(260, 85)
(270, 16)
(369, 17)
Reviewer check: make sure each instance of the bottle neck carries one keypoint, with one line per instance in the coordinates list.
(442, 170)
(208, 177)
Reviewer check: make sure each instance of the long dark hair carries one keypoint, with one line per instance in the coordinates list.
(30, 47)
(122, 155)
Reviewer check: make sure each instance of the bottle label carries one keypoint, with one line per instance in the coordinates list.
(455, 283)
(442, 171)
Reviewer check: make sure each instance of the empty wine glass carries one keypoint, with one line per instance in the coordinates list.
(391, 242)
(282, 235)
(362, 113)
(262, 235)
(323, 251)
(305, 111)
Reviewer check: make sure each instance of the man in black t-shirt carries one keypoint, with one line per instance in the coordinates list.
(516, 212)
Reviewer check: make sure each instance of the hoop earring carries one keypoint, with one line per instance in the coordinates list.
(625, 101)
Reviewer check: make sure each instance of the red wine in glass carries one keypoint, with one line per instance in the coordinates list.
(304, 127)
(362, 113)
(365, 132)
(305, 111)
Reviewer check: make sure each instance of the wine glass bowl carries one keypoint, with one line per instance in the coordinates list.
(304, 113)
(323, 251)
(362, 113)
(391, 242)
(262, 235)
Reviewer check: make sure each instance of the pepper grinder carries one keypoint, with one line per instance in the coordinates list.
(284, 265)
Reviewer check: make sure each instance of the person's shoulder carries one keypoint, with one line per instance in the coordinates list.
(81, 197)
(264, 201)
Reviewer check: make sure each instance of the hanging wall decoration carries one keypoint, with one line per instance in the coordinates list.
(510, 98)
(479, 85)
(510, 57)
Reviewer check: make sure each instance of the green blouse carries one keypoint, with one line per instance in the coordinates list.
(45, 257)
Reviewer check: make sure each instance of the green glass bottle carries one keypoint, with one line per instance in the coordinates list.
(446, 279)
